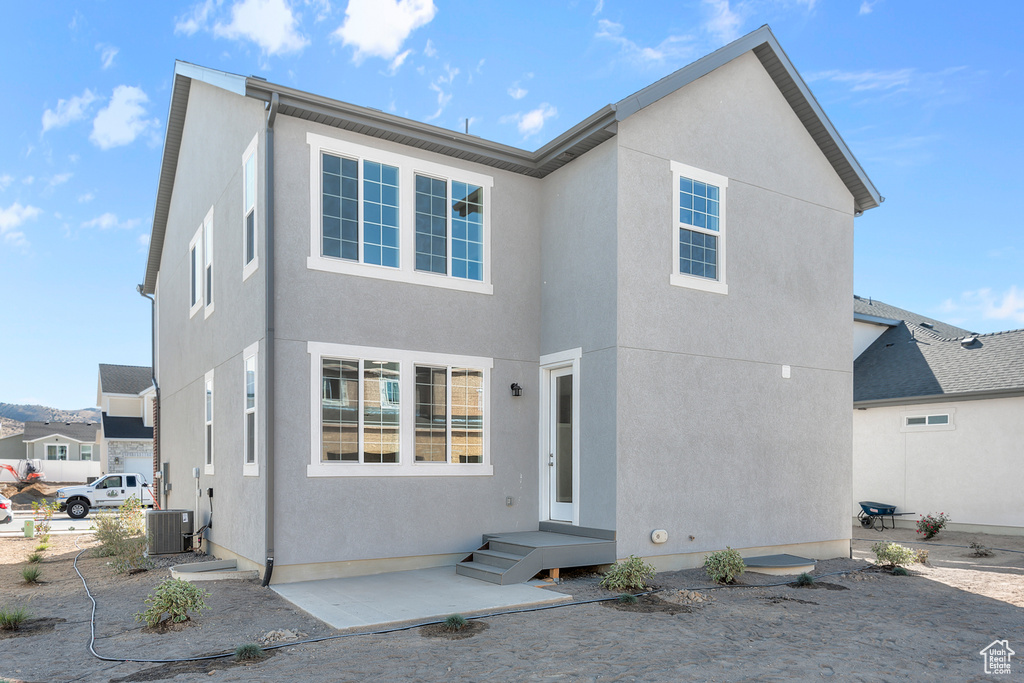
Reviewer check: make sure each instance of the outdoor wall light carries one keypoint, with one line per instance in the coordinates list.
(516, 389)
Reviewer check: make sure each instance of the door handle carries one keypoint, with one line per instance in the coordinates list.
(551, 459)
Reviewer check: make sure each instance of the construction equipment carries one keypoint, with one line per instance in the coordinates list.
(28, 472)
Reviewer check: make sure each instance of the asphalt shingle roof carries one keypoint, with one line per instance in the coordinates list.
(884, 310)
(909, 360)
(79, 431)
(125, 379)
(125, 428)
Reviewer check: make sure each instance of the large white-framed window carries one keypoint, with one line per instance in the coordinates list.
(379, 214)
(698, 228)
(925, 420)
(85, 453)
(250, 246)
(208, 263)
(208, 422)
(250, 398)
(195, 274)
(396, 412)
(56, 451)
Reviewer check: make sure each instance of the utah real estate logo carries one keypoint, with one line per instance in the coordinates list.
(997, 657)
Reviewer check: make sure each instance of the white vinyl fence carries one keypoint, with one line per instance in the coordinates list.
(73, 471)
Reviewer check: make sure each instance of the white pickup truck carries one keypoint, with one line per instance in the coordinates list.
(110, 491)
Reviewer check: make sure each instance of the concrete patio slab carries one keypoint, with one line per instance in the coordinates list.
(363, 602)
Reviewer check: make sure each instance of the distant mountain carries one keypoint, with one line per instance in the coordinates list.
(25, 413)
(9, 427)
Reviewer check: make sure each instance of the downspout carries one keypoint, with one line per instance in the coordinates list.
(269, 222)
(156, 401)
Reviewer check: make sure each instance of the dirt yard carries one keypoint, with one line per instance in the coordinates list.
(868, 625)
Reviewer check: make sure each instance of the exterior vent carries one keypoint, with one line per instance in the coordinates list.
(928, 325)
(967, 341)
(169, 531)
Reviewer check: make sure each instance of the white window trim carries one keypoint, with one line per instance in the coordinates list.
(91, 451)
(407, 465)
(208, 468)
(197, 244)
(408, 168)
(251, 469)
(58, 446)
(207, 230)
(678, 279)
(251, 151)
(948, 427)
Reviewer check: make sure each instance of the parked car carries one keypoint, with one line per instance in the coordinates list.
(6, 510)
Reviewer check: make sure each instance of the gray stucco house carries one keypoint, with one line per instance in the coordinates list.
(937, 419)
(378, 340)
(125, 395)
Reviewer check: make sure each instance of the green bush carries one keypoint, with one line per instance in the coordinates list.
(122, 535)
(900, 571)
(893, 554)
(930, 525)
(631, 573)
(31, 574)
(724, 566)
(628, 599)
(455, 622)
(249, 652)
(11, 619)
(35, 558)
(805, 579)
(176, 598)
(42, 546)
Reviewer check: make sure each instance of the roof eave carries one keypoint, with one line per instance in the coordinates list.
(875, 320)
(940, 398)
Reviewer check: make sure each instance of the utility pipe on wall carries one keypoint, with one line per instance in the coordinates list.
(157, 484)
(269, 343)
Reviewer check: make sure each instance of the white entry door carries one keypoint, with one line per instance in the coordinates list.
(561, 443)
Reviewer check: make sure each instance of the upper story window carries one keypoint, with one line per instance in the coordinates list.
(208, 262)
(250, 413)
(195, 259)
(380, 214)
(925, 420)
(920, 421)
(249, 246)
(413, 414)
(698, 228)
(208, 421)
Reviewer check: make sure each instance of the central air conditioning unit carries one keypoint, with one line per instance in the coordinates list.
(169, 531)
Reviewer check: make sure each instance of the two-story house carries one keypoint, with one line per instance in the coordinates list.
(125, 395)
(378, 340)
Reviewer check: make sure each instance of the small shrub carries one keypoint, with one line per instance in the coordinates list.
(631, 573)
(627, 599)
(980, 550)
(805, 579)
(249, 652)
(922, 557)
(900, 571)
(455, 622)
(42, 546)
(35, 558)
(724, 566)
(893, 554)
(11, 619)
(930, 525)
(176, 598)
(31, 574)
(44, 510)
(122, 536)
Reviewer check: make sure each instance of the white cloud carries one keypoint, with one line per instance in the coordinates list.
(598, 6)
(268, 23)
(68, 111)
(5, 181)
(531, 122)
(444, 96)
(378, 28)
(123, 119)
(144, 241)
(868, 80)
(672, 48)
(321, 7)
(107, 54)
(28, 180)
(86, 198)
(11, 219)
(58, 179)
(516, 92)
(724, 23)
(110, 220)
(868, 6)
(397, 62)
(430, 50)
(195, 19)
(1007, 306)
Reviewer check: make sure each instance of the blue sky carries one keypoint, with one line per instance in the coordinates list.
(928, 96)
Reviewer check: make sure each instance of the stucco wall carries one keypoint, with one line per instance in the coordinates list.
(727, 450)
(13, 447)
(37, 449)
(218, 128)
(124, 407)
(864, 335)
(972, 472)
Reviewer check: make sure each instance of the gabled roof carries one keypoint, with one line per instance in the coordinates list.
(910, 363)
(578, 140)
(866, 308)
(125, 428)
(125, 379)
(84, 432)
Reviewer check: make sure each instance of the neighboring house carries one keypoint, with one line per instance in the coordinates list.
(378, 340)
(125, 395)
(12, 447)
(937, 420)
(61, 441)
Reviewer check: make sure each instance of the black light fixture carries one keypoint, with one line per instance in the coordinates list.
(516, 389)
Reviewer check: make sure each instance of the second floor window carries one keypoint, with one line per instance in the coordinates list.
(360, 225)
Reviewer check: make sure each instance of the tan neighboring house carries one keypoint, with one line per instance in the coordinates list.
(125, 396)
(937, 419)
